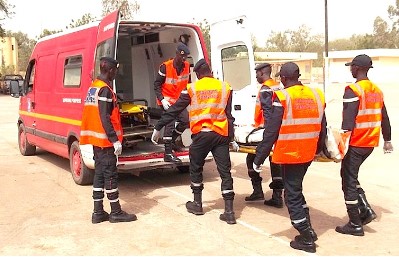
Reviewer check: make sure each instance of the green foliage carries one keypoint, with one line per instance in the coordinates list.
(5, 12)
(124, 6)
(25, 47)
(205, 29)
(85, 19)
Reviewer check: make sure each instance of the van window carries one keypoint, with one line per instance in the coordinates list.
(235, 65)
(72, 71)
(103, 49)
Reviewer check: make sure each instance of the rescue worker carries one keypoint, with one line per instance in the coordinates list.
(262, 114)
(173, 76)
(101, 127)
(297, 128)
(364, 116)
(211, 124)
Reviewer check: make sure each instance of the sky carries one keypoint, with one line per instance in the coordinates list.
(345, 17)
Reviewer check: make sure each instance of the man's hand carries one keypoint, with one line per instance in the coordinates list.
(257, 168)
(118, 148)
(234, 146)
(165, 104)
(388, 148)
(155, 136)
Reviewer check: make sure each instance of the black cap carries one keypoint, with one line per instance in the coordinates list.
(182, 49)
(362, 60)
(199, 64)
(289, 70)
(262, 65)
(109, 60)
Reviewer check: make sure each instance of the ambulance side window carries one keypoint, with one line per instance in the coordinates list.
(30, 77)
(236, 66)
(72, 71)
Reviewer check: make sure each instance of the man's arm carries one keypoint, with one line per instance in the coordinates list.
(171, 114)
(265, 96)
(270, 133)
(322, 135)
(159, 81)
(230, 118)
(385, 125)
(106, 105)
(350, 109)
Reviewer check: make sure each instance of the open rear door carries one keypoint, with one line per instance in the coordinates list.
(106, 39)
(233, 61)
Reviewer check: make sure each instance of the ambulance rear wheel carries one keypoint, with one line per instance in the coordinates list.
(25, 148)
(80, 173)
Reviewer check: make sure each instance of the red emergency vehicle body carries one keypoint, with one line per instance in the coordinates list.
(61, 69)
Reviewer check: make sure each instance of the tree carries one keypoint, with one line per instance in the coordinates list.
(46, 32)
(126, 9)
(205, 29)
(5, 12)
(85, 19)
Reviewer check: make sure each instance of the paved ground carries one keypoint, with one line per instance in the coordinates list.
(43, 212)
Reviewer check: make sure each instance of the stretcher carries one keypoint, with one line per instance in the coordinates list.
(248, 137)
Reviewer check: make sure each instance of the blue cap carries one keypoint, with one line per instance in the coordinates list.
(111, 61)
(182, 49)
(199, 64)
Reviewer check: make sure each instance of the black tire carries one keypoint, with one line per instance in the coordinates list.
(183, 169)
(25, 147)
(81, 174)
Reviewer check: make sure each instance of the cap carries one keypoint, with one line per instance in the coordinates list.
(362, 60)
(182, 49)
(262, 65)
(199, 64)
(289, 70)
(110, 60)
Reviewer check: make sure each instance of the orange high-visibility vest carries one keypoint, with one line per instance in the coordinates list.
(259, 119)
(174, 83)
(301, 124)
(92, 131)
(209, 98)
(368, 120)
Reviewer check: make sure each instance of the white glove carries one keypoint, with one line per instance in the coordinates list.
(118, 148)
(155, 136)
(234, 146)
(257, 168)
(165, 104)
(388, 148)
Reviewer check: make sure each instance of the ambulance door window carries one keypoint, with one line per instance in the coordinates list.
(236, 66)
(73, 71)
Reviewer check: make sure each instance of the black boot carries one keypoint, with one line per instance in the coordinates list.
(304, 241)
(117, 215)
(366, 213)
(99, 215)
(256, 181)
(276, 200)
(354, 226)
(228, 214)
(195, 207)
(169, 156)
(312, 232)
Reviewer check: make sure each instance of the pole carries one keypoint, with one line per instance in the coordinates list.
(325, 62)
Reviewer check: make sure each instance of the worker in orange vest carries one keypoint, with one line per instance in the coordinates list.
(173, 76)
(263, 109)
(211, 124)
(364, 117)
(297, 129)
(101, 127)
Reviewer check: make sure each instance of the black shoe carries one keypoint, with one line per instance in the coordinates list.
(255, 197)
(98, 217)
(121, 216)
(171, 158)
(300, 244)
(313, 234)
(194, 208)
(350, 229)
(368, 216)
(228, 217)
(278, 203)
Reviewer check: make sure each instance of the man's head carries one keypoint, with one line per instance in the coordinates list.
(289, 72)
(109, 67)
(202, 69)
(182, 52)
(360, 65)
(263, 71)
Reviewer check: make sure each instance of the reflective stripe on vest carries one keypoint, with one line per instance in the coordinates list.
(259, 119)
(209, 98)
(92, 131)
(298, 136)
(174, 83)
(368, 120)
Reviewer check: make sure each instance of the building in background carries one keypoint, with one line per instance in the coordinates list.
(9, 55)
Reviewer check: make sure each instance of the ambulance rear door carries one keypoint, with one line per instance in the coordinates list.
(232, 60)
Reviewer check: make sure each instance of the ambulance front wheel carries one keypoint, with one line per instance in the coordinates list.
(25, 148)
(80, 173)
